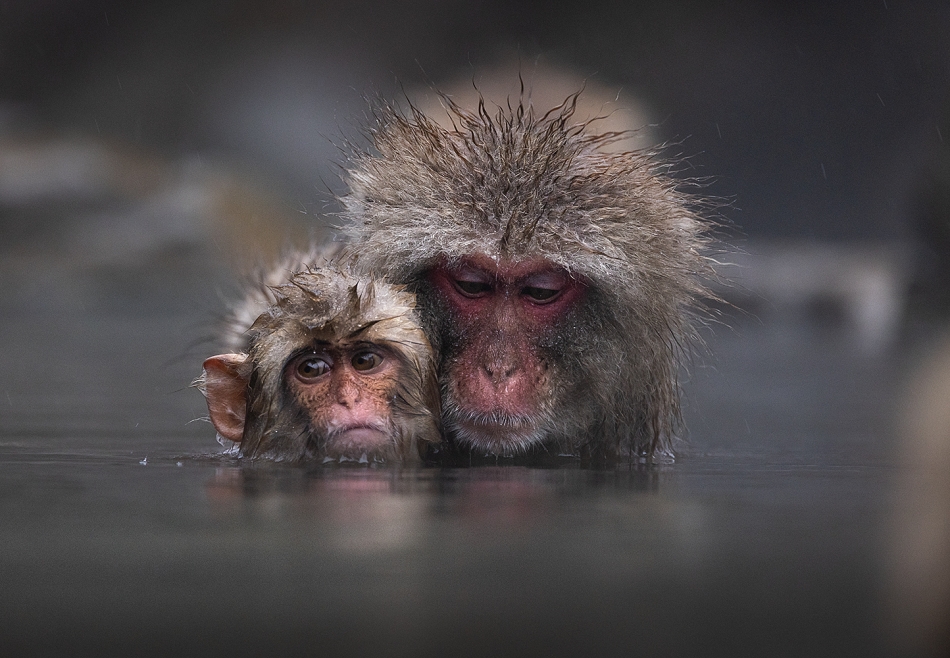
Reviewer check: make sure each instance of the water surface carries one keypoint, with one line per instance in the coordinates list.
(124, 532)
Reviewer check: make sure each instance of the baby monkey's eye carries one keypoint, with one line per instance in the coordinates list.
(312, 367)
(364, 361)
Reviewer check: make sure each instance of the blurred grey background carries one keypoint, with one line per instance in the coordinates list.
(131, 131)
(820, 119)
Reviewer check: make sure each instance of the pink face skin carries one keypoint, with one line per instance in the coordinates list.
(346, 392)
(498, 381)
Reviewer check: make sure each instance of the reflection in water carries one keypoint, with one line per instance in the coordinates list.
(504, 495)
(358, 512)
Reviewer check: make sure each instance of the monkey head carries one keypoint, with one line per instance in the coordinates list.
(338, 368)
(555, 277)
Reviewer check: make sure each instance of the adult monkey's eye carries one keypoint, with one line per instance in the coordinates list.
(363, 361)
(540, 294)
(472, 288)
(312, 367)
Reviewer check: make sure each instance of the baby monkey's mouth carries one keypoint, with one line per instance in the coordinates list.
(357, 429)
(356, 439)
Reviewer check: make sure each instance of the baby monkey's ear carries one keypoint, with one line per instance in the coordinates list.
(225, 390)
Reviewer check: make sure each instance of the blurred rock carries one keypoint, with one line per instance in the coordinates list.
(863, 285)
(918, 536)
(88, 203)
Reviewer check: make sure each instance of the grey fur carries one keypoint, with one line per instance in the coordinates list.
(515, 185)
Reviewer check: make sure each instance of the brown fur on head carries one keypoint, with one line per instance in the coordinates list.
(514, 186)
(316, 307)
(258, 290)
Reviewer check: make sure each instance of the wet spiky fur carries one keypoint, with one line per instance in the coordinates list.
(258, 291)
(514, 185)
(333, 304)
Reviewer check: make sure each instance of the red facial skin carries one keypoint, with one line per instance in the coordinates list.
(346, 391)
(498, 382)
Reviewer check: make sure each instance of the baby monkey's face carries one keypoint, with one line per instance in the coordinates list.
(336, 368)
(346, 391)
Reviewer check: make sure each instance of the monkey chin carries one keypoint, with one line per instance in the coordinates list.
(363, 441)
(493, 434)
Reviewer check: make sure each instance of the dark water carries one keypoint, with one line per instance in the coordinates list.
(121, 532)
